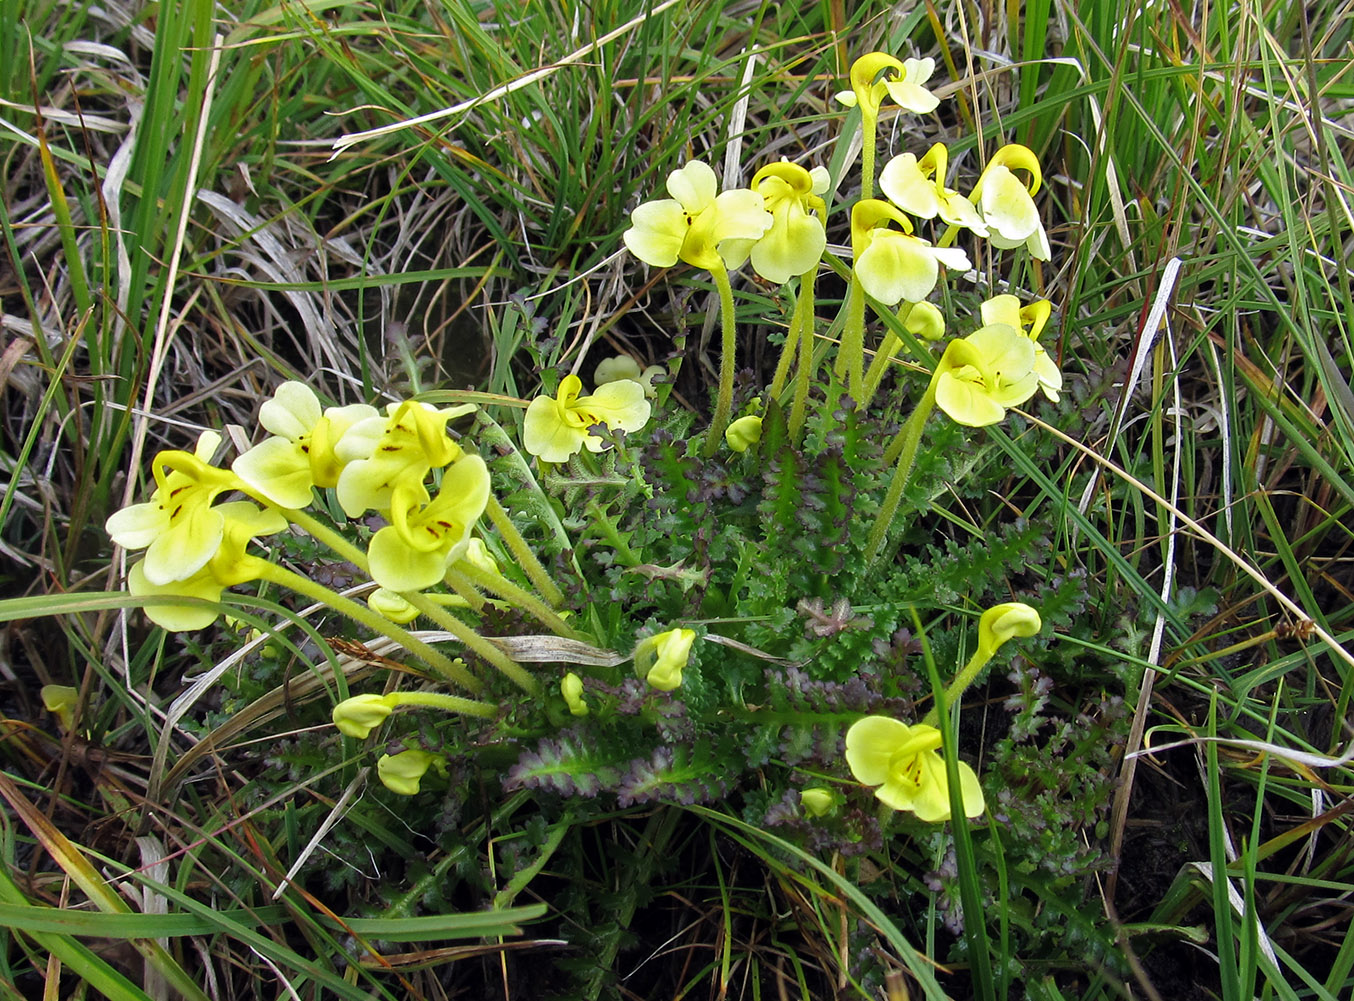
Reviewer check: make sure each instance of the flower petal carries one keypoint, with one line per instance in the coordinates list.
(694, 186)
(656, 232)
(292, 411)
(870, 745)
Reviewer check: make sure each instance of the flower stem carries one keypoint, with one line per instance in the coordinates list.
(961, 681)
(792, 339)
(363, 615)
(909, 438)
(724, 401)
(850, 366)
(439, 700)
(518, 597)
(869, 122)
(473, 641)
(882, 357)
(804, 377)
(521, 552)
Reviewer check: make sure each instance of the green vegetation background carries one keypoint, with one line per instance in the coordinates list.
(180, 233)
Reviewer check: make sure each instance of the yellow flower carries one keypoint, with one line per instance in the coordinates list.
(894, 266)
(178, 527)
(903, 761)
(983, 374)
(698, 224)
(1007, 205)
(360, 715)
(555, 428)
(743, 433)
(571, 687)
(901, 81)
(614, 369)
(229, 565)
(1029, 320)
(1006, 621)
(386, 459)
(60, 700)
(401, 773)
(415, 549)
(300, 454)
(392, 605)
(918, 186)
(660, 659)
(796, 240)
(925, 321)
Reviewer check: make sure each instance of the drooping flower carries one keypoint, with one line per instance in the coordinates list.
(571, 687)
(300, 454)
(984, 373)
(1030, 320)
(1004, 622)
(743, 433)
(699, 224)
(893, 266)
(901, 81)
(178, 527)
(905, 764)
(1007, 205)
(401, 773)
(359, 715)
(557, 427)
(918, 186)
(229, 565)
(795, 242)
(660, 659)
(386, 459)
(60, 700)
(415, 549)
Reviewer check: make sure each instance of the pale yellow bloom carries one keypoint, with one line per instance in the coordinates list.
(571, 687)
(1007, 205)
(699, 224)
(401, 773)
(901, 81)
(557, 427)
(1029, 320)
(743, 433)
(986, 372)
(893, 266)
(905, 763)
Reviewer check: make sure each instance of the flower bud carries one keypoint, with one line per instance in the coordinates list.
(660, 659)
(571, 687)
(401, 773)
(1006, 621)
(817, 802)
(743, 433)
(361, 714)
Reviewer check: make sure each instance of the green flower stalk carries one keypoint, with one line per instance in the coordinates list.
(976, 379)
(997, 625)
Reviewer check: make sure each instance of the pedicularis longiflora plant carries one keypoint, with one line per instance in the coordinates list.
(602, 597)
